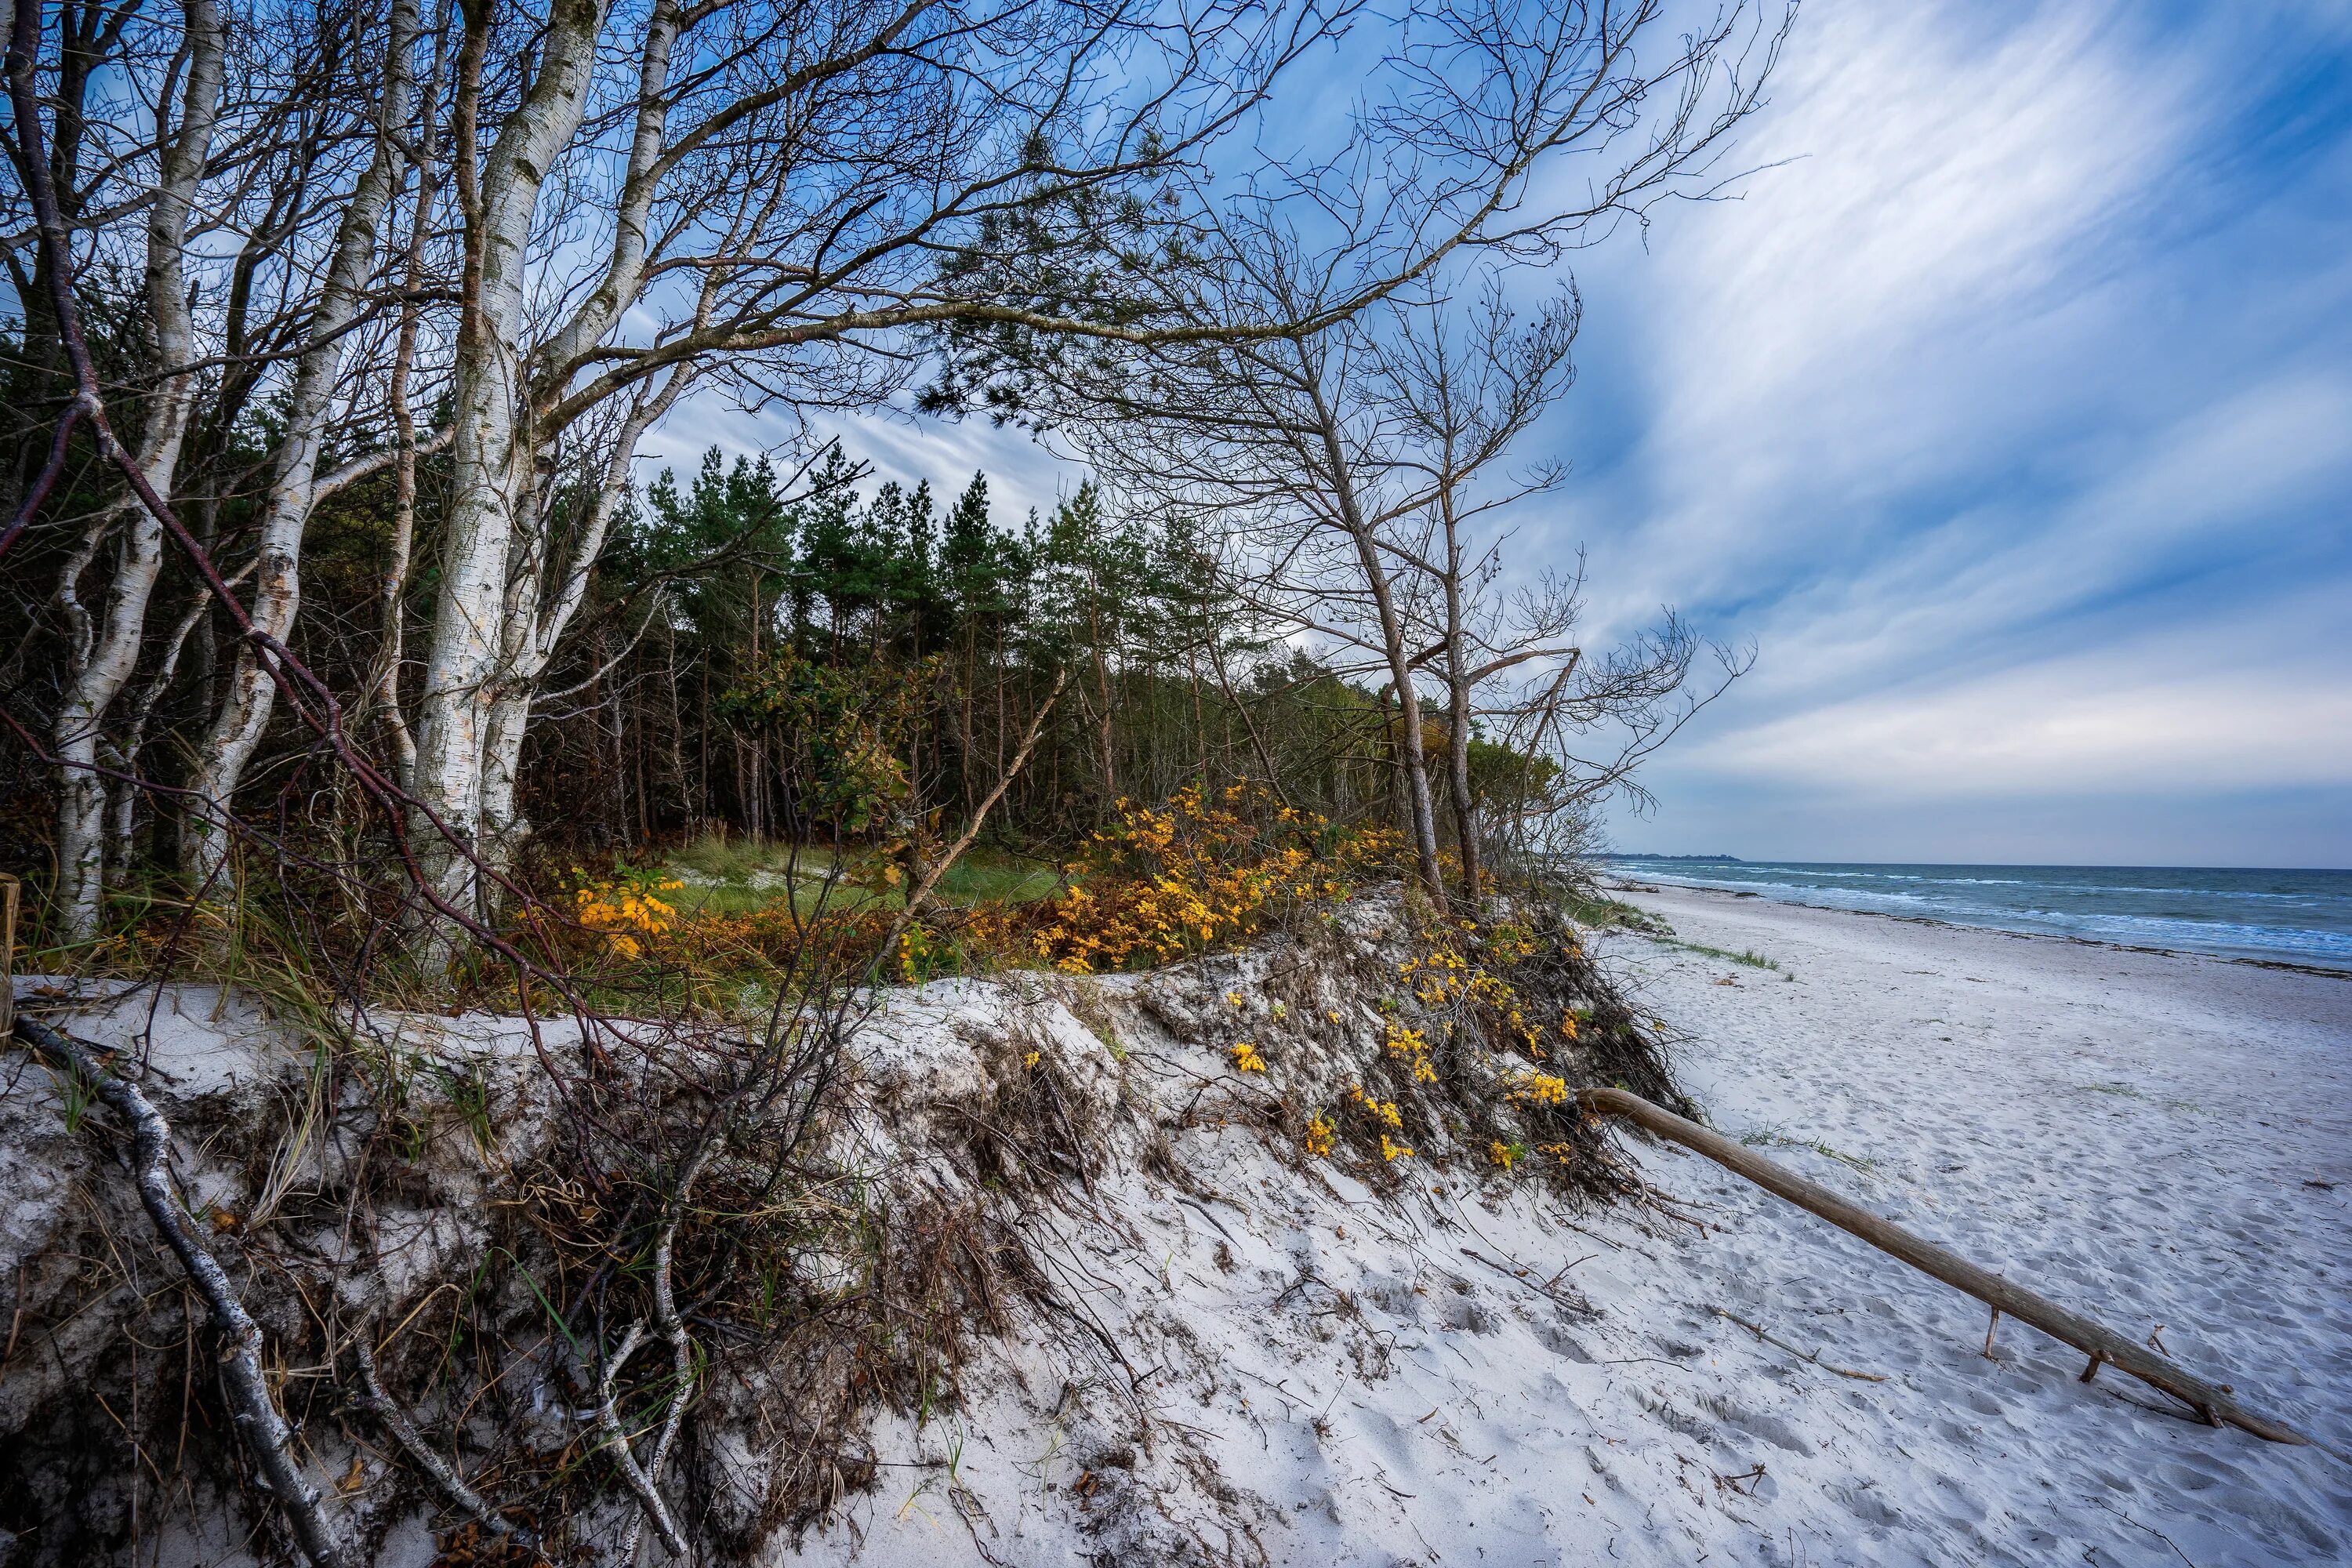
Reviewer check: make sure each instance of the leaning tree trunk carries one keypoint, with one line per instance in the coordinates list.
(1457, 687)
(244, 709)
(113, 654)
(1409, 749)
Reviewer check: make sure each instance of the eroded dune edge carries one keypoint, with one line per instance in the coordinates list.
(1182, 1335)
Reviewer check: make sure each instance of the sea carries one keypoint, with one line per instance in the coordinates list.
(2282, 917)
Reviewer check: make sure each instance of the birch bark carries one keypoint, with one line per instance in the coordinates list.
(246, 708)
(492, 455)
(539, 614)
(113, 653)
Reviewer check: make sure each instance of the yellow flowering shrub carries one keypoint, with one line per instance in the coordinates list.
(1393, 1151)
(625, 907)
(1246, 1057)
(1319, 1133)
(1403, 1042)
(1541, 1089)
(1384, 1111)
(1164, 882)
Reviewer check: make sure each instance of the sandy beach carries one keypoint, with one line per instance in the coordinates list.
(2158, 1142)
(1250, 1358)
(2155, 1140)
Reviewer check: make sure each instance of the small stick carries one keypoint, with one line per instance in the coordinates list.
(1531, 1284)
(1813, 1356)
(11, 893)
(1989, 1328)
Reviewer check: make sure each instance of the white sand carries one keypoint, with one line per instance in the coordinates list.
(2131, 1133)
(1275, 1368)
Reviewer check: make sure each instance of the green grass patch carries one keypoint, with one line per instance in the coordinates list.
(1747, 956)
(1778, 1138)
(733, 876)
(1601, 913)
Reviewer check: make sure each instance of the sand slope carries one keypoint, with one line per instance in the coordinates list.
(1311, 1378)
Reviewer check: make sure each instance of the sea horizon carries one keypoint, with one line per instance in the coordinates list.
(2298, 915)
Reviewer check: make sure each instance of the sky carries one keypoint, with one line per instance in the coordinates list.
(2006, 413)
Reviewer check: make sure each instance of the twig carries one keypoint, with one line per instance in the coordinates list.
(2150, 1529)
(914, 903)
(1522, 1278)
(394, 1420)
(255, 1412)
(608, 1418)
(681, 1361)
(1813, 1356)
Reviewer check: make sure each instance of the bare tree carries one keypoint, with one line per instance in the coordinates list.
(1458, 386)
(103, 656)
(308, 410)
(1302, 438)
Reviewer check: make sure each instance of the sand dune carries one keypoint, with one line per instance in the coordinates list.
(1333, 1380)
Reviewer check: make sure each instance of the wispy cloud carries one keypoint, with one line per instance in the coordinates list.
(2013, 418)
(2009, 411)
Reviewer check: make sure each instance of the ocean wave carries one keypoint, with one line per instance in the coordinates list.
(2198, 912)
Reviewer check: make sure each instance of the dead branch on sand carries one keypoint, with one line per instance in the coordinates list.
(2213, 1401)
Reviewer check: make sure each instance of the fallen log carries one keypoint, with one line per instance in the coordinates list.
(2214, 1402)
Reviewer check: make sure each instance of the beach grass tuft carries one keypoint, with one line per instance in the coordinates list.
(1780, 1138)
(1747, 956)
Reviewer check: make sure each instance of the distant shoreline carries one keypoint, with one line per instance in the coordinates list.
(1732, 894)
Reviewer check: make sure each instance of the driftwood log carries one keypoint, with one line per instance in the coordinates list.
(2214, 1402)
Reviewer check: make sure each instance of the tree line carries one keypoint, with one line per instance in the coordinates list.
(334, 332)
(936, 634)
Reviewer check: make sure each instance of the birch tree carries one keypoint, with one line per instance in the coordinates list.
(103, 656)
(551, 224)
(785, 183)
(308, 411)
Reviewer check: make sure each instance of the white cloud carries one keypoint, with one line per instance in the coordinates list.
(2078, 728)
(2015, 438)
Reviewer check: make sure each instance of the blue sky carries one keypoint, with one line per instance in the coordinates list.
(2008, 416)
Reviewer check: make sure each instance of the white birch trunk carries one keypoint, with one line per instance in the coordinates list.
(490, 461)
(537, 619)
(537, 614)
(113, 654)
(245, 712)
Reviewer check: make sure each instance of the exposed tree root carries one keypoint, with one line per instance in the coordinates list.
(250, 1403)
(394, 1420)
